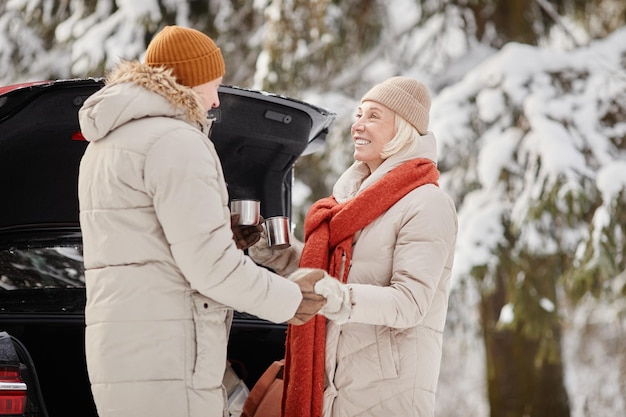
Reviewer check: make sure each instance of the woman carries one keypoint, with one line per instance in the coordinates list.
(388, 232)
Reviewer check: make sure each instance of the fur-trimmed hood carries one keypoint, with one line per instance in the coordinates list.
(135, 90)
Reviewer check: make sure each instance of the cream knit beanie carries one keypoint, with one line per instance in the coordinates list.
(193, 56)
(407, 97)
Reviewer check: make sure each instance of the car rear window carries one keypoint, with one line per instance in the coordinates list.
(54, 266)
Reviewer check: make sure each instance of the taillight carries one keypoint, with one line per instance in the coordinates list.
(78, 136)
(12, 391)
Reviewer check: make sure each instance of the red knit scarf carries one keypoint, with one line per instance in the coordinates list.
(329, 228)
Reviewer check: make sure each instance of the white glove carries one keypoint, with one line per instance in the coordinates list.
(338, 305)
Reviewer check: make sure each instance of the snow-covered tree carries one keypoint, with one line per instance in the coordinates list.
(61, 39)
(534, 148)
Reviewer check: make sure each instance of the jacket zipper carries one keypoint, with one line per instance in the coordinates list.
(342, 266)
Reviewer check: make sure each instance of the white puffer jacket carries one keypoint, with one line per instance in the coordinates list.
(162, 270)
(385, 360)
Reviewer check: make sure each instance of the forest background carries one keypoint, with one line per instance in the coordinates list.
(529, 107)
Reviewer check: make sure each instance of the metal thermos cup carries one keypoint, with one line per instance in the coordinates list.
(249, 211)
(277, 229)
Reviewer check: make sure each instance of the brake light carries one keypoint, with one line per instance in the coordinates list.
(12, 391)
(78, 136)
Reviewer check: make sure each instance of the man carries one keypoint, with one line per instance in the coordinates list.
(163, 271)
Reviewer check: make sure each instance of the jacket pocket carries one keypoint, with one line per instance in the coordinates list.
(211, 321)
(387, 352)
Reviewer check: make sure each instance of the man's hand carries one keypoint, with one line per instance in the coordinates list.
(311, 302)
(245, 236)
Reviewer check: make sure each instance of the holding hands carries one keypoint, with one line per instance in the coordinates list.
(311, 302)
(316, 283)
(246, 236)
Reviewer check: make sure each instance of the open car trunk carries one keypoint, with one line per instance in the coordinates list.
(258, 136)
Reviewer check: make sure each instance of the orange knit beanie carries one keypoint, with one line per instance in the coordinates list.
(193, 56)
(407, 97)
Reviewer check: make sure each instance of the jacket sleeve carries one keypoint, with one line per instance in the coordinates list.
(184, 177)
(283, 261)
(422, 258)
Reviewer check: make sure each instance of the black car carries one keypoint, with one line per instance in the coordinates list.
(258, 136)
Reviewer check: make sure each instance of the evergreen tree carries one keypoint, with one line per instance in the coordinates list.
(528, 155)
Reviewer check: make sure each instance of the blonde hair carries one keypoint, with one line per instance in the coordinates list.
(405, 134)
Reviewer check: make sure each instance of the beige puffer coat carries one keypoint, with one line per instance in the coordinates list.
(162, 271)
(385, 360)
